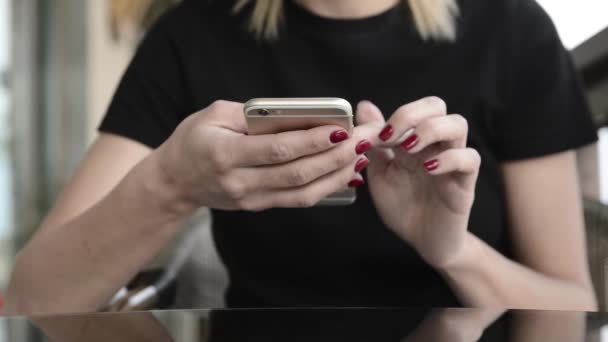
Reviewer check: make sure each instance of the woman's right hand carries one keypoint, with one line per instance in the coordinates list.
(212, 161)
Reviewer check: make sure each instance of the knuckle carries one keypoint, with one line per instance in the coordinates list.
(278, 152)
(437, 103)
(306, 201)
(403, 111)
(341, 159)
(430, 130)
(196, 122)
(297, 177)
(218, 105)
(315, 144)
(232, 187)
(475, 156)
(219, 159)
(461, 163)
(196, 126)
(249, 205)
(215, 105)
(433, 134)
(461, 121)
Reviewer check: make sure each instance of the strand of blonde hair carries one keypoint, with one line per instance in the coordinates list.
(265, 18)
(434, 19)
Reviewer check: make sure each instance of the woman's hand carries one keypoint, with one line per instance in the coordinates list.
(454, 325)
(214, 163)
(422, 177)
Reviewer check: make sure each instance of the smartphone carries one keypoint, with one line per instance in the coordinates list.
(275, 115)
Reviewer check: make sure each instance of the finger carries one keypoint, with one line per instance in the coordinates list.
(226, 114)
(402, 123)
(269, 149)
(307, 169)
(305, 196)
(452, 130)
(300, 172)
(463, 160)
(369, 114)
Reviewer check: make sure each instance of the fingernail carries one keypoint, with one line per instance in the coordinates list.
(355, 183)
(386, 133)
(410, 142)
(363, 147)
(361, 165)
(431, 165)
(338, 136)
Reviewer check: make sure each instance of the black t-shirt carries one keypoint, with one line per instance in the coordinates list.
(507, 73)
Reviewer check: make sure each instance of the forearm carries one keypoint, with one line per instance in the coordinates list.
(454, 324)
(93, 328)
(482, 277)
(80, 265)
(555, 326)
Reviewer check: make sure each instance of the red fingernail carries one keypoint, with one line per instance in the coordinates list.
(386, 133)
(410, 142)
(338, 136)
(361, 165)
(363, 147)
(355, 183)
(431, 165)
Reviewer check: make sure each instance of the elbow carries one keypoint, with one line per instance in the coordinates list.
(27, 293)
(586, 300)
(591, 300)
(19, 296)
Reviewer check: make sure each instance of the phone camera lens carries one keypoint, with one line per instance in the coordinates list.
(263, 112)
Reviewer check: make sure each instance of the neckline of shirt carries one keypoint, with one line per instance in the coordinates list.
(300, 18)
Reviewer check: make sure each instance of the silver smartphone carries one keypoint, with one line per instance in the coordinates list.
(275, 115)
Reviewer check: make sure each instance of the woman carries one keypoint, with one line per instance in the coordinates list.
(415, 236)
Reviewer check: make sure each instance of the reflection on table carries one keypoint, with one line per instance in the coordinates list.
(405, 325)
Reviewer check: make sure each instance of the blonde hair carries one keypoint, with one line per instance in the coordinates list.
(435, 19)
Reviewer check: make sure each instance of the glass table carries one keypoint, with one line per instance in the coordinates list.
(376, 325)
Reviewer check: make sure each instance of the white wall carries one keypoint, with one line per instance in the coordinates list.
(577, 20)
(107, 62)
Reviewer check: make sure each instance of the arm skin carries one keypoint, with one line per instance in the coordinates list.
(455, 325)
(125, 327)
(548, 235)
(555, 326)
(115, 225)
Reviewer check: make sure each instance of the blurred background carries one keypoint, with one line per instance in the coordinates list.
(60, 61)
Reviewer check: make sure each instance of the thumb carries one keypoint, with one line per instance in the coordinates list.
(227, 115)
(369, 114)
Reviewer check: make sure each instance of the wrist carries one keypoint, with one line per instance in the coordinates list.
(469, 254)
(158, 189)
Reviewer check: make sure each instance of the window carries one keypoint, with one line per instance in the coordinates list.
(6, 198)
(568, 17)
(603, 163)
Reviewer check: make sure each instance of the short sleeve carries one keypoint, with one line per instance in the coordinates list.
(546, 109)
(149, 101)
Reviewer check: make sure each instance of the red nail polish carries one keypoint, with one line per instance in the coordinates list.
(410, 142)
(355, 183)
(361, 165)
(338, 136)
(386, 133)
(363, 147)
(431, 165)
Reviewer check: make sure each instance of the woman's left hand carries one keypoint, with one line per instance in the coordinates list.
(422, 177)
